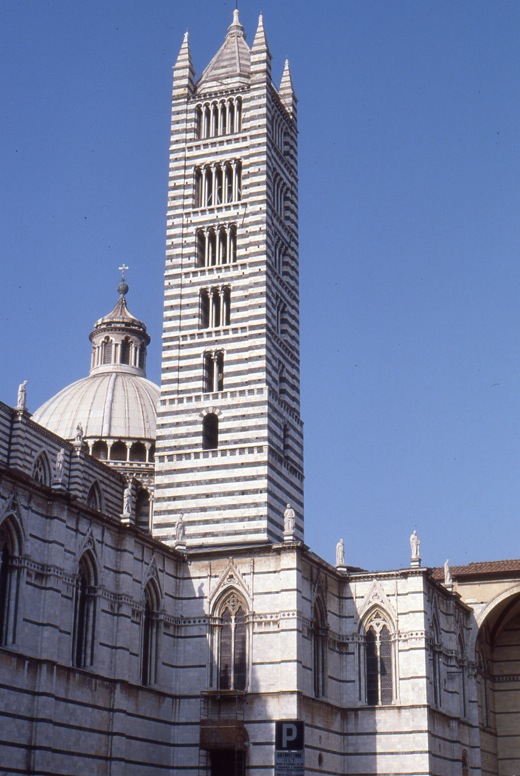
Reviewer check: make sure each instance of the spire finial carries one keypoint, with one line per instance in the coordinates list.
(122, 288)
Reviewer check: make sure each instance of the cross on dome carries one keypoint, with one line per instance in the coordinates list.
(123, 285)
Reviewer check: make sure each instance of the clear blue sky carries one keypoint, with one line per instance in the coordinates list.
(409, 120)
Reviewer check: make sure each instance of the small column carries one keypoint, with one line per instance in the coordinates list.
(204, 187)
(234, 180)
(236, 115)
(214, 168)
(215, 372)
(229, 125)
(228, 244)
(218, 246)
(223, 306)
(206, 248)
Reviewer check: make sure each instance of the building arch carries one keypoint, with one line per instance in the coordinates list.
(231, 641)
(378, 657)
(100, 450)
(95, 497)
(319, 630)
(42, 469)
(437, 661)
(85, 598)
(497, 651)
(11, 544)
(150, 632)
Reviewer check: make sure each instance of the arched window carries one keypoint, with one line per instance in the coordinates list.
(84, 613)
(436, 653)
(378, 661)
(213, 369)
(150, 630)
(10, 550)
(151, 454)
(142, 510)
(232, 651)
(204, 309)
(41, 470)
(118, 452)
(107, 351)
(319, 651)
(100, 450)
(210, 432)
(138, 452)
(95, 497)
(125, 351)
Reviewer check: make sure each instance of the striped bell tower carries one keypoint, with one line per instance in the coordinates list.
(229, 438)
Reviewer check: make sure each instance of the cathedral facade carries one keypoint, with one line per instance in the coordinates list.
(160, 611)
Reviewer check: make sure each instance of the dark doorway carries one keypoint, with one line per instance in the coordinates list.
(227, 762)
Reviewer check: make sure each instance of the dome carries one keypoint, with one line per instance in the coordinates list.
(115, 405)
(114, 409)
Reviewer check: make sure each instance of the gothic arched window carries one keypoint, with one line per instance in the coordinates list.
(150, 631)
(232, 651)
(84, 613)
(436, 652)
(10, 550)
(41, 470)
(378, 661)
(95, 497)
(319, 651)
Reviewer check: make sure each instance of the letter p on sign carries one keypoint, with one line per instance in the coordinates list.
(289, 735)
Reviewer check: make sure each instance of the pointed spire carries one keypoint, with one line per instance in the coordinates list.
(260, 54)
(183, 72)
(286, 90)
(231, 64)
(235, 26)
(260, 41)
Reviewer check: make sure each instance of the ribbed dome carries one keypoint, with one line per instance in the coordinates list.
(114, 409)
(115, 405)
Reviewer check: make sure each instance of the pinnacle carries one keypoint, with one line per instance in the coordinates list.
(260, 41)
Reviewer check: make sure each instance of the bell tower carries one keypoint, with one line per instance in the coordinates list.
(229, 436)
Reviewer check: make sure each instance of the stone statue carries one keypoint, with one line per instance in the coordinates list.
(180, 530)
(22, 396)
(447, 573)
(415, 545)
(79, 433)
(59, 465)
(340, 553)
(289, 520)
(127, 499)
